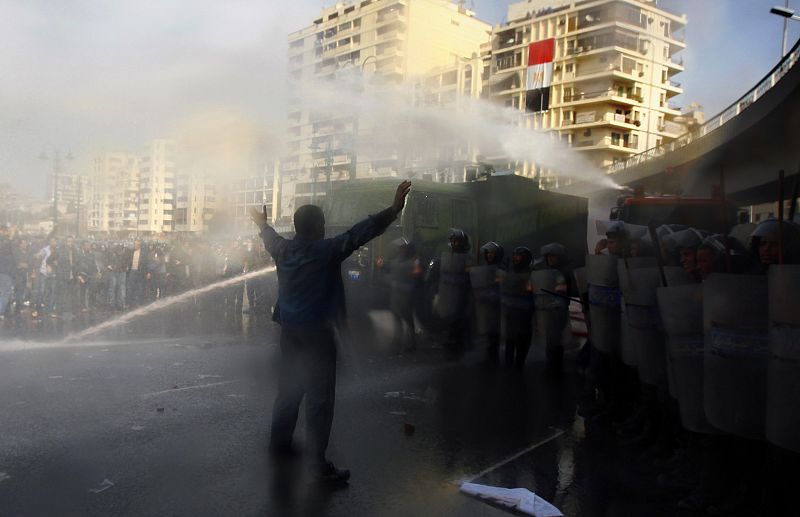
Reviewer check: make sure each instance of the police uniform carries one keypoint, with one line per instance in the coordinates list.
(454, 288)
(404, 273)
(486, 293)
(517, 305)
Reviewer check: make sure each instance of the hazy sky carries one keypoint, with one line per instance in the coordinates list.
(91, 75)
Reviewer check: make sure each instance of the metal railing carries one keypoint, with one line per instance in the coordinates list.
(731, 112)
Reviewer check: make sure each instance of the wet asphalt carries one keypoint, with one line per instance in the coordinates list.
(174, 411)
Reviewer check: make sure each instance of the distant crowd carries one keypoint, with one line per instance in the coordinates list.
(52, 276)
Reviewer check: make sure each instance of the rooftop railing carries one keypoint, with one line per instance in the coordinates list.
(767, 83)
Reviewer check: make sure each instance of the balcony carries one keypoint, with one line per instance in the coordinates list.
(609, 95)
(389, 51)
(608, 119)
(673, 88)
(396, 15)
(671, 129)
(670, 108)
(675, 66)
(606, 143)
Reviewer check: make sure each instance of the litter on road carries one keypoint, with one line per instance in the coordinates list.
(520, 499)
(105, 485)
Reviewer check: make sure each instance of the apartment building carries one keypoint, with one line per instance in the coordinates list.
(598, 72)
(449, 87)
(196, 200)
(392, 41)
(157, 173)
(113, 193)
(254, 191)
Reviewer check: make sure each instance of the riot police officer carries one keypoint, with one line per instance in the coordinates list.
(551, 288)
(765, 243)
(405, 274)
(517, 304)
(486, 292)
(454, 288)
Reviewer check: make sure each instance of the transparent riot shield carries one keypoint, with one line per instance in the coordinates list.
(604, 303)
(783, 370)
(453, 285)
(581, 281)
(675, 276)
(681, 309)
(630, 337)
(735, 322)
(551, 312)
(486, 293)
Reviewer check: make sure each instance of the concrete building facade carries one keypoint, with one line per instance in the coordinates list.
(600, 73)
(157, 174)
(255, 191)
(195, 202)
(391, 40)
(113, 193)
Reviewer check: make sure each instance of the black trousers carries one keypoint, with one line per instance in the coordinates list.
(308, 369)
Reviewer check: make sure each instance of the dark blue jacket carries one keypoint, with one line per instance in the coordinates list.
(310, 288)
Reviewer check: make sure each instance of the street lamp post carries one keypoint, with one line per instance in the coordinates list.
(787, 14)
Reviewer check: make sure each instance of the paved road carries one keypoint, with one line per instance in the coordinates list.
(179, 426)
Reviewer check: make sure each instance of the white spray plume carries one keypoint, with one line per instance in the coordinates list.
(396, 121)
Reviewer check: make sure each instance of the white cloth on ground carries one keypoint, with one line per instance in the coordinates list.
(520, 499)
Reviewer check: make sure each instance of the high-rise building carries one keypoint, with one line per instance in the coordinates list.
(70, 190)
(450, 87)
(113, 193)
(598, 72)
(195, 202)
(157, 172)
(393, 41)
(254, 191)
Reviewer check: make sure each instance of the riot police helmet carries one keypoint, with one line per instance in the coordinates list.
(404, 246)
(492, 253)
(765, 242)
(554, 254)
(459, 240)
(522, 257)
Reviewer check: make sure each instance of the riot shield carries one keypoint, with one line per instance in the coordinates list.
(629, 337)
(486, 293)
(681, 309)
(735, 322)
(783, 370)
(551, 312)
(675, 276)
(604, 303)
(453, 286)
(581, 281)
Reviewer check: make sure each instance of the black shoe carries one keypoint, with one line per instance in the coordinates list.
(329, 474)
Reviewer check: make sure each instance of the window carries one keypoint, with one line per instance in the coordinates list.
(628, 65)
(426, 211)
(615, 138)
(569, 67)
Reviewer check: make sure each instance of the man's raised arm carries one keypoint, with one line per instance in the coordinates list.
(372, 226)
(272, 241)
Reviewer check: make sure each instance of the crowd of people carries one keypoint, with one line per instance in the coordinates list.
(47, 276)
